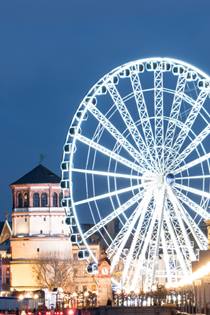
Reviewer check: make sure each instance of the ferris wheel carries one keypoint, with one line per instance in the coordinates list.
(135, 171)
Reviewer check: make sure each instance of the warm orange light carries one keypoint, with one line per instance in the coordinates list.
(36, 296)
(200, 273)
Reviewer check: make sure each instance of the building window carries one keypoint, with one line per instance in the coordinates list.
(44, 219)
(37, 250)
(41, 231)
(26, 200)
(55, 200)
(60, 199)
(36, 200)
(44, 200)
(25, 219)
(20, 200)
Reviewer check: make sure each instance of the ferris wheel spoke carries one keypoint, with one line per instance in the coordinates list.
(107, 195)
(190, 203)
(159, 124)
(150, 210)
(143, 208)
(168, 256)
(111, 250)
(198, 235)
(192, 146)
(186, 98)
(194, 191)
(149, 214)
(194, 177)
(175, 110)
(155, 238)
(178, 232)
(125, 206)
(179, 253)
(181, 228)
(192, 163)
(145, 244)
(117, 135)
(128, 120)
(109, 153)
(189, 121)
(106, 174)
(143, 113)
(122, 238)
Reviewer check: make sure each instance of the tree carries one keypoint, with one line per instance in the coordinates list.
(54, 272)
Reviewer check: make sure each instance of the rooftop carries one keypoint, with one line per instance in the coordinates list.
(38, 175)
(5, 246)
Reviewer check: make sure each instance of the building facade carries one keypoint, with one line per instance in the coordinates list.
(5, 256)
(38, 225)
(201, 286)
(39, 233)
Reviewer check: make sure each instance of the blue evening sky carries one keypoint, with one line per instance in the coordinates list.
(51, 53)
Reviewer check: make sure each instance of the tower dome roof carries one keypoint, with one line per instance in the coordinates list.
(38, 175)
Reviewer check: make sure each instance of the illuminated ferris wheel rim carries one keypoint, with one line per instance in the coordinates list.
(83, 109)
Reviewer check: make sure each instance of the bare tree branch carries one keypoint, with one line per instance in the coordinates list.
(54, 271)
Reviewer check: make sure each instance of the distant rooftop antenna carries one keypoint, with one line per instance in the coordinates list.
(41, 158)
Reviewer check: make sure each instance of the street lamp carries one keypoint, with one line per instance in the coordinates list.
(74, 296)
(27, 295)
(35, 298)
(60, 296)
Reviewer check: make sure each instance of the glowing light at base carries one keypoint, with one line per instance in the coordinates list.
(200, 273)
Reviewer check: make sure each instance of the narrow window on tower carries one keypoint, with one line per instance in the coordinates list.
(20, 200)
(60, 199)
(26, 200)
(44, 200)
(55, 199)
(36, 200)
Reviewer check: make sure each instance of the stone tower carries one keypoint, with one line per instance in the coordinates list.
(104, 282)
(38, 225)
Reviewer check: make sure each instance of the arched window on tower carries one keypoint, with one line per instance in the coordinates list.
(44, 200)
(26, 200)
(60, 199)
(55, 199)
(36, 200)
(20, 201)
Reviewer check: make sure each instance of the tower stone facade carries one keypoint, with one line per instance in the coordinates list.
(38, 225)
(103, 280)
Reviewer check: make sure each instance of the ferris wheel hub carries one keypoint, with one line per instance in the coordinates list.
(152, 180)
(170, 179)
